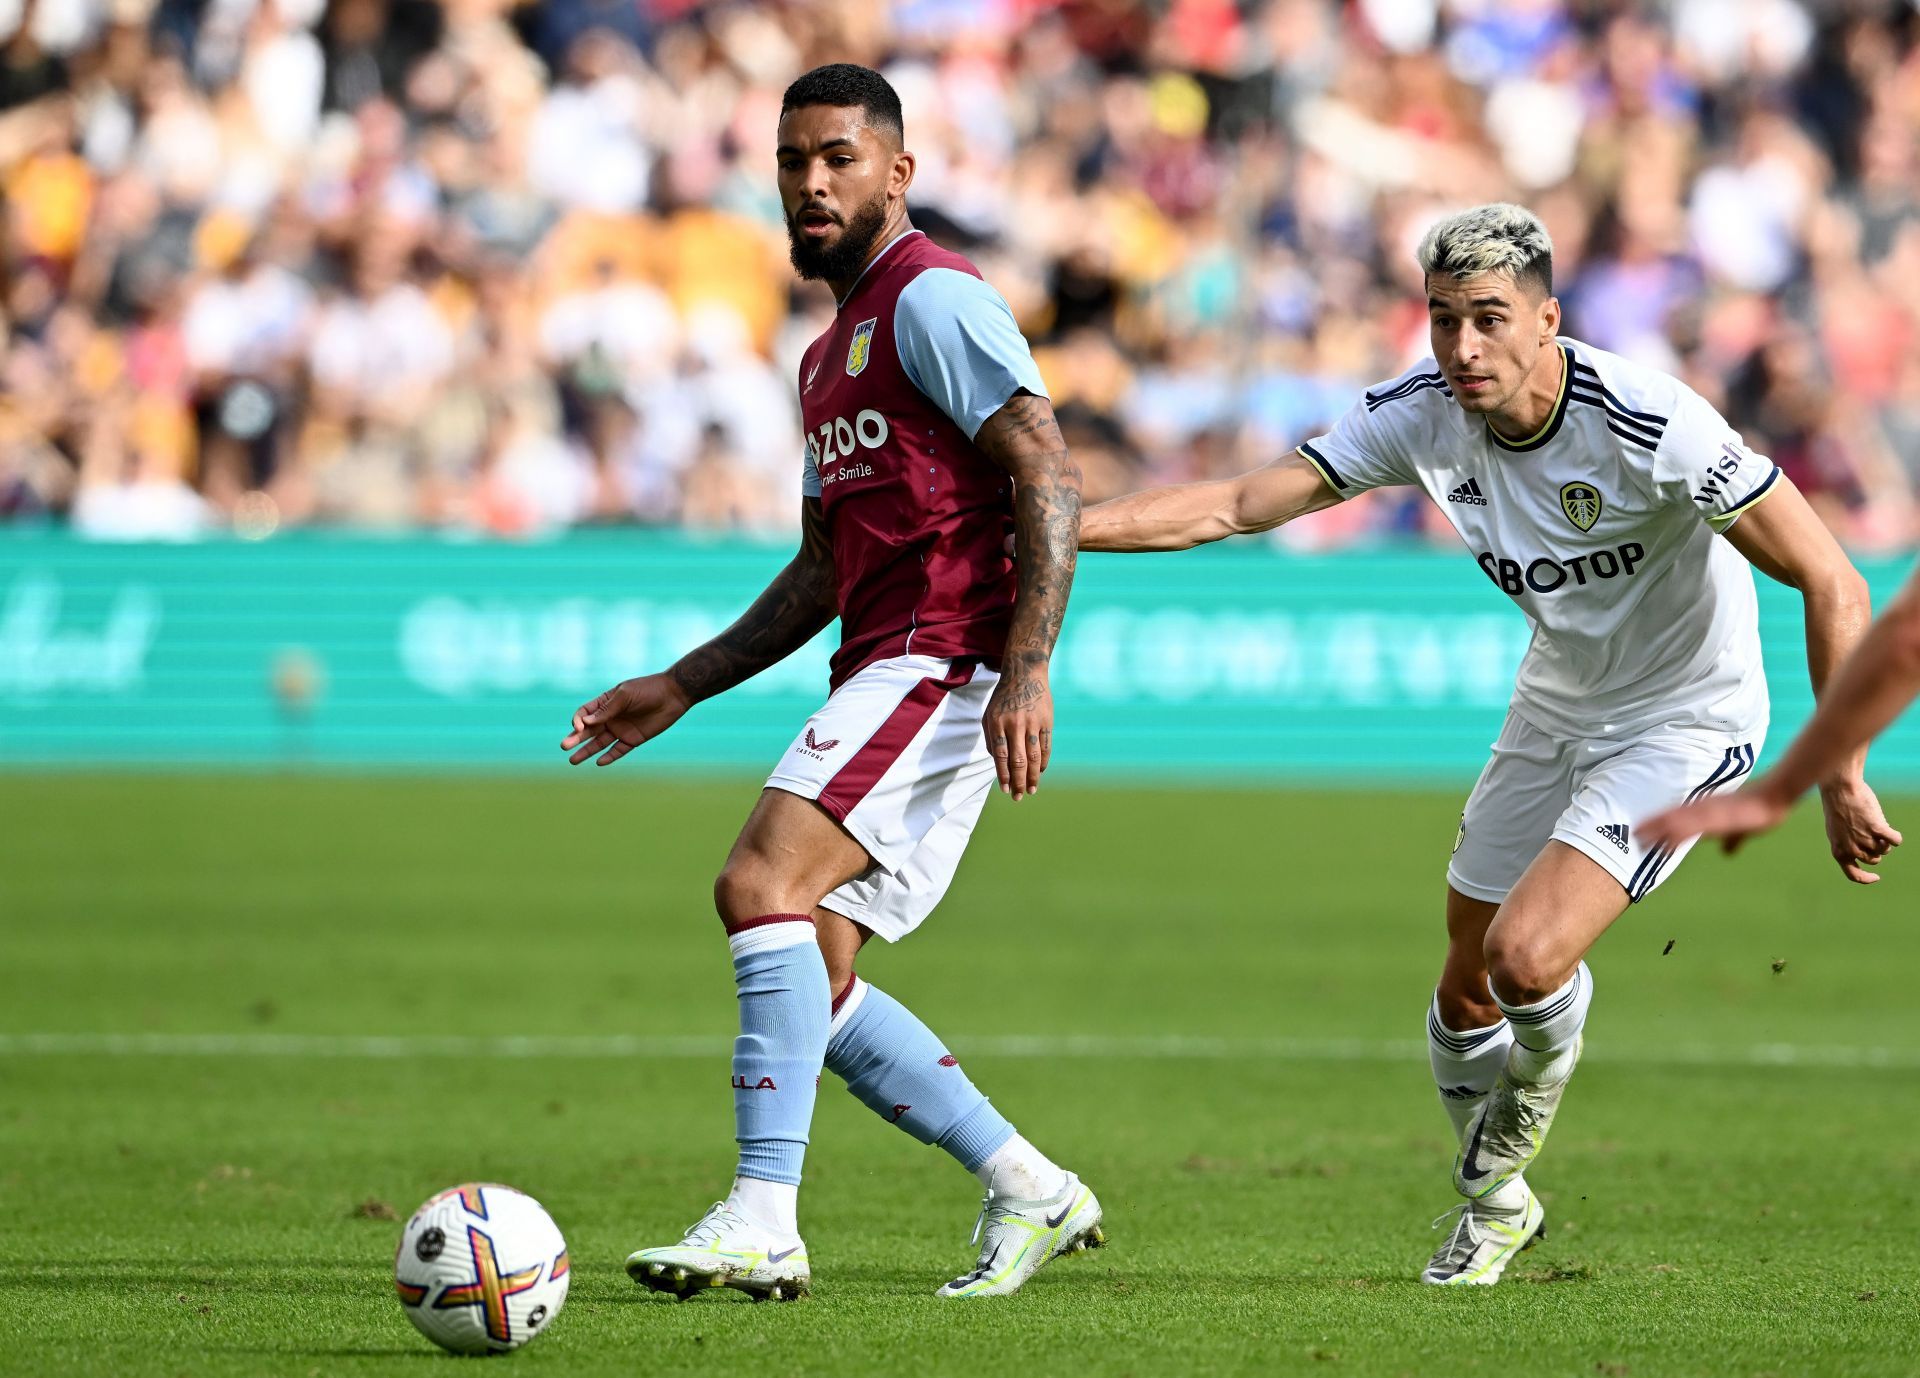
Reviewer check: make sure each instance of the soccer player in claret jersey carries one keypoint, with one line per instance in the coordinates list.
(1613, 505)
(929, 441)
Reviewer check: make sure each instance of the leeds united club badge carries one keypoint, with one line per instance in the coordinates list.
(1581, 503)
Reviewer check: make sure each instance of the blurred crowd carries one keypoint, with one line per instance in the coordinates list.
(510, 268)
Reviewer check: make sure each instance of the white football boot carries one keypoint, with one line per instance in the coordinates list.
(1017, 1238)
(1484, 1242)
(1507, 1132)
(725, 1249)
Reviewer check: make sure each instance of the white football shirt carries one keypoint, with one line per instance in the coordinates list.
(1601, 527)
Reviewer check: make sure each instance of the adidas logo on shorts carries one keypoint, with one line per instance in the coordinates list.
(1616, 833)
(1469, 493)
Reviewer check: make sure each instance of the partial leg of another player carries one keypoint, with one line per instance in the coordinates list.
(789, 856)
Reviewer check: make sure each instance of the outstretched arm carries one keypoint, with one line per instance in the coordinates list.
(1783, 538)
(1023, 438)
(1190, 514)
(799, 602)
(1872, 687)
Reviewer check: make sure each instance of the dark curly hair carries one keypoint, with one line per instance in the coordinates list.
(845, 84)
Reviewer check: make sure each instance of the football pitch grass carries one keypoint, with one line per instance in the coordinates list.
(245, 1020)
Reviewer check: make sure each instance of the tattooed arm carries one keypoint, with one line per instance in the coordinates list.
(799, 602)
(1023, 438)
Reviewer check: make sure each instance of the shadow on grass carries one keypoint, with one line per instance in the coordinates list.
(428, 1355)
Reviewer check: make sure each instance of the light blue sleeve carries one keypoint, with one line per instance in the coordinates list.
(960, 346)
(809, 476)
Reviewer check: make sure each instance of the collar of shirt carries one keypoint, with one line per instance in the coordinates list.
(897, 239)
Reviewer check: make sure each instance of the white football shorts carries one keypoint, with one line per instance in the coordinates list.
(1588, 793)
(898, 757)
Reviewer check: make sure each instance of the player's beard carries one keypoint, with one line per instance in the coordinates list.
(845, 256)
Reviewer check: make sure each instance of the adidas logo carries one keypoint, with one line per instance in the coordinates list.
(1469, 492)
(1616, 833)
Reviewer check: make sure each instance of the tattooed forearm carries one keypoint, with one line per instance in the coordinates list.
(1023, 438)
(799, 602)
(1047, 522)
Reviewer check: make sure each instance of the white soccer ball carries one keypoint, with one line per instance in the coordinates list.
(481, 1269)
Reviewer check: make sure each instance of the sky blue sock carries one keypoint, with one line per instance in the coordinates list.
(900, 1071)
(785, 1005)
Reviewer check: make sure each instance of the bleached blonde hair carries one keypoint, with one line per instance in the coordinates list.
(1496, 238)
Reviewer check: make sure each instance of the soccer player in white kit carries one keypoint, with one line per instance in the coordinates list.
(1620, 513)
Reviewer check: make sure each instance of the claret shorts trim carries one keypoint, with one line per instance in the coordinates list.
(898, 757)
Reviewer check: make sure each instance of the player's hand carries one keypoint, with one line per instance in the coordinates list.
(1857, 829)
(1733, 818)
(1019, 728)
(632, 712)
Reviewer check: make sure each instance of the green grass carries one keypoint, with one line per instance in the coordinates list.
(197, 1214)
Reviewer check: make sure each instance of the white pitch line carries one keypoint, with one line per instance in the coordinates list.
(687, 1046)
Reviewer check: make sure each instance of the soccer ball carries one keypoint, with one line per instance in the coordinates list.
(481, 1269)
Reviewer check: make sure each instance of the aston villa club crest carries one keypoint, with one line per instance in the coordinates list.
(1581, 503)
(862, 347)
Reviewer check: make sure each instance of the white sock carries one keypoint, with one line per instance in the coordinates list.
(1019, 1170)
(1465, 1064)
(1509, 1198)
(773, 1206)
(1545, 1032)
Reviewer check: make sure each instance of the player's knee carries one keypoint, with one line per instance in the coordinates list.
(1523, 969)
(745, 889)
